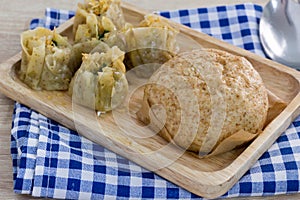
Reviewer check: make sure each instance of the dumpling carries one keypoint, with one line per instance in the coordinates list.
(85, 48)
(100, 82)
(117, 37)
(45, 58)
(154, 41)
(95, 18)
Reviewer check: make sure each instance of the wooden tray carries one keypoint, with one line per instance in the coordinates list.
(210, 177)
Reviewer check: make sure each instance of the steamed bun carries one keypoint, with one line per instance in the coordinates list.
(229, 94)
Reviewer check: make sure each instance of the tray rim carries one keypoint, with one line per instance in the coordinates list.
(238, 167)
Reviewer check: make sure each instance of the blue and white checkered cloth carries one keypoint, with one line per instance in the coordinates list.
(50, 160)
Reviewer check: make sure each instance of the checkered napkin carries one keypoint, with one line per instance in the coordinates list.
(50, 160)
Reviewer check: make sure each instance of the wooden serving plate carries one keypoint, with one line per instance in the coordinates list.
(207, 177)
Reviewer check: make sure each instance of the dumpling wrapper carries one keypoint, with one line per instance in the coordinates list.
(154, 41)
(100, 82)
(93, 19)
(85, 48)
(45, 58)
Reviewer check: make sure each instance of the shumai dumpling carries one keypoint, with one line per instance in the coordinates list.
(45, 58)
(117, 38)
(94, 18)
(85, 48)
(154, 41)
(100, 82)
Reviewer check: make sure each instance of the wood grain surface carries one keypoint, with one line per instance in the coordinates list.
(15, 16)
